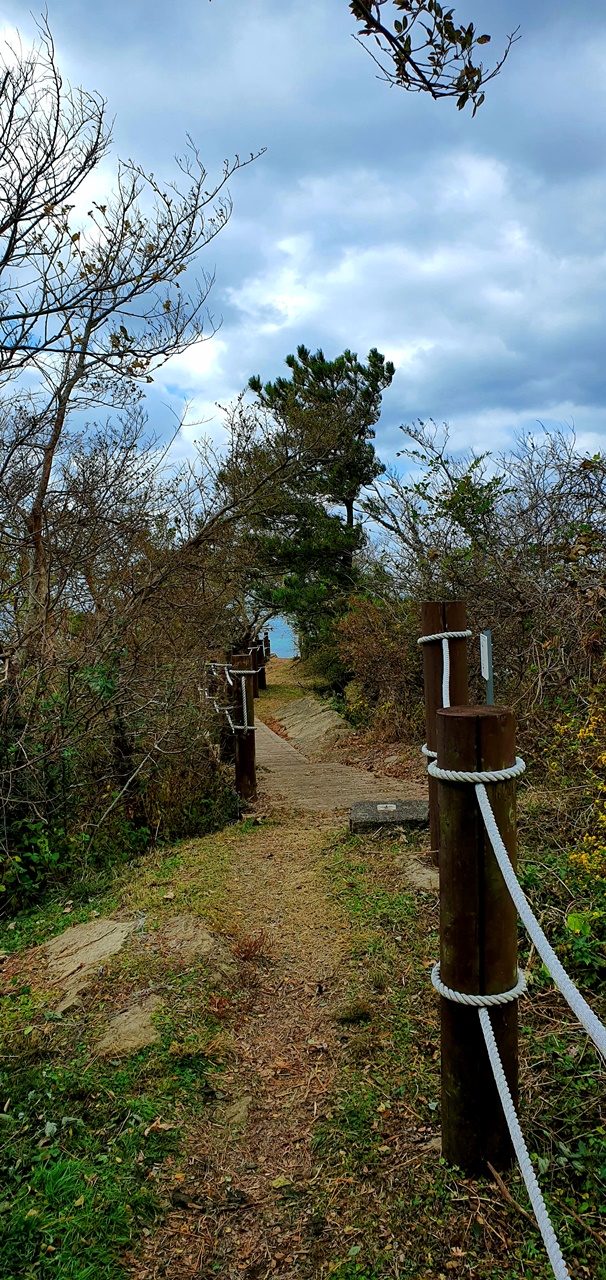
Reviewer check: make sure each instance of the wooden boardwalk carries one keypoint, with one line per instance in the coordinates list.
(286, 774)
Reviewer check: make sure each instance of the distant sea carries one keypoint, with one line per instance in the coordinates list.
(283, 642)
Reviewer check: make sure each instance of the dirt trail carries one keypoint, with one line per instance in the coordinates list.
(260, 1148)
(256, 1158)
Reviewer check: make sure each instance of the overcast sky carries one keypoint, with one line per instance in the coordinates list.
(471, 252)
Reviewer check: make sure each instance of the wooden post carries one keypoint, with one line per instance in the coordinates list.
(437, 616)
(222, 690)
(246, 776)
(266, 646)
(478, 936)
(253, 663)
(261, 664)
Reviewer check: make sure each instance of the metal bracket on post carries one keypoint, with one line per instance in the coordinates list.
(437, 618)
(243, 672)
(486, 665)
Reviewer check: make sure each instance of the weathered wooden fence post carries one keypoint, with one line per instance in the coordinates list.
(478, 936)
(244, 717)
(261, 663)
(438, 616)
(266, 646)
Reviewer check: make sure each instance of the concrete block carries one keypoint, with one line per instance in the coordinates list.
(370, 815)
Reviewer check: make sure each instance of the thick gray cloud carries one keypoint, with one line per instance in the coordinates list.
(472, 252)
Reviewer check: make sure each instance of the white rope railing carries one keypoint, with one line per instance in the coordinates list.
(588, 1019)
(244, 702)
(554, 1253)
(228, 671)
(483, 1003)
(594, 1028)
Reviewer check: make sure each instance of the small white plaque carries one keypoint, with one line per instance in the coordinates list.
(484, 656)
(382, 807)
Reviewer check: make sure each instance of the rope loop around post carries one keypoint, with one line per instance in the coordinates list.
(478, 1001)
(445, 635)
(482, 775)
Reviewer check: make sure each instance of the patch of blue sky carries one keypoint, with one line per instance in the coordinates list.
(283, 642)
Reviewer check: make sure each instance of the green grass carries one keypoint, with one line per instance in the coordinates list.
(83, 1167)
(74, 1188)
(81, 1161)
(77, 1167)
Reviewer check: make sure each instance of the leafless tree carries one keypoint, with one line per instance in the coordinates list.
(92, 309)
(51, 138)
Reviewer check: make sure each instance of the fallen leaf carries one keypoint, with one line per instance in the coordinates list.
(158, 1126)
(79, 1202)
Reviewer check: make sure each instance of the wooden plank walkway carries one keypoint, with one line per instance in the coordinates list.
(286, 774)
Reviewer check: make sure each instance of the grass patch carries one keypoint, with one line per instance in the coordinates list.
(86, 1145)
(89, 1145)
(188, 876)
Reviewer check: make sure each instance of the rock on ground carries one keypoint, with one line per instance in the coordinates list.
(132, 1029)
(419, 874)
(75, 954)
(372, 815)
(313, 725)
(185, 939)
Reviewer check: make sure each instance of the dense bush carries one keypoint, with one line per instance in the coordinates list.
(521, 536)
(377, 641)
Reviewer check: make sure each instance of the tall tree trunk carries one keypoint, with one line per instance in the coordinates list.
(39, 589)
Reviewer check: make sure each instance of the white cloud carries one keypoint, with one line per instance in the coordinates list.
(473, 253)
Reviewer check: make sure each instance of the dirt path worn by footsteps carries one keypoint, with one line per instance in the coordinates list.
(252, 1166)
(256, 1158)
